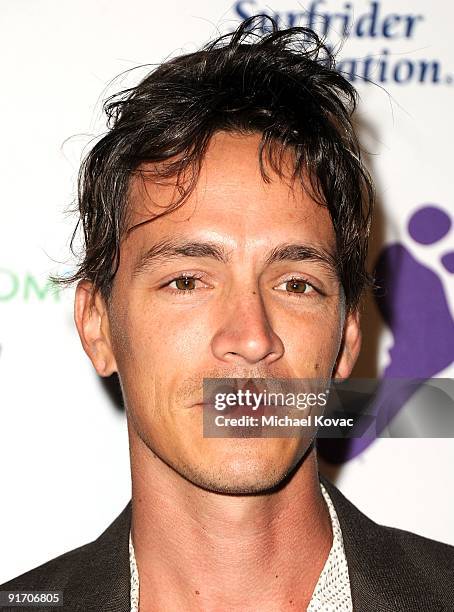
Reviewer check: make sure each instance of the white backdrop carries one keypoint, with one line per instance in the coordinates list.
(63, 452)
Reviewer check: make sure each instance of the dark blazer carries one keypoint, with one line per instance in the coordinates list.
(390, 570)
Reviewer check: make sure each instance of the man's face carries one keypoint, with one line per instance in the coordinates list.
(217, 288)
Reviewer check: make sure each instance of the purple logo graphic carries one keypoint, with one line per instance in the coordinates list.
(413, 303)
(414, 306)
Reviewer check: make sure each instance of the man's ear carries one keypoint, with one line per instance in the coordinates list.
(92, 322)
(350, 346)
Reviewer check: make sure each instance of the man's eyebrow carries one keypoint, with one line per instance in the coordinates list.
(169, 249)
(302, 252)
(173, 248)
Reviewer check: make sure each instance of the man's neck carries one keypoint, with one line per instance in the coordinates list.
(197, 549)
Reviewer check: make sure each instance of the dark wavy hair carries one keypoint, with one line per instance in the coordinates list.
(282, 85)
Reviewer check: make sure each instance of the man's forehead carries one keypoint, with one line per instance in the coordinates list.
(237, 225)
(231, 174)
(239, 203)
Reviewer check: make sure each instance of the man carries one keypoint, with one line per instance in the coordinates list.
(226, 216)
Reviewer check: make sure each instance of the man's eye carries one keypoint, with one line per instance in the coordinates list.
(184, 283)
(296, 285)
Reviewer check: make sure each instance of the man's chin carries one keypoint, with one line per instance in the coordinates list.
(230, 486)
(243, 475)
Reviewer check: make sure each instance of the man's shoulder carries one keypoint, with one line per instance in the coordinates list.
(92, 575)
(54, 572)
(393, 568)
(354, 521)
(421, 548)
(417, 560)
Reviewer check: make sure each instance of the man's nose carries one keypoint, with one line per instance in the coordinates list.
(246, 335)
